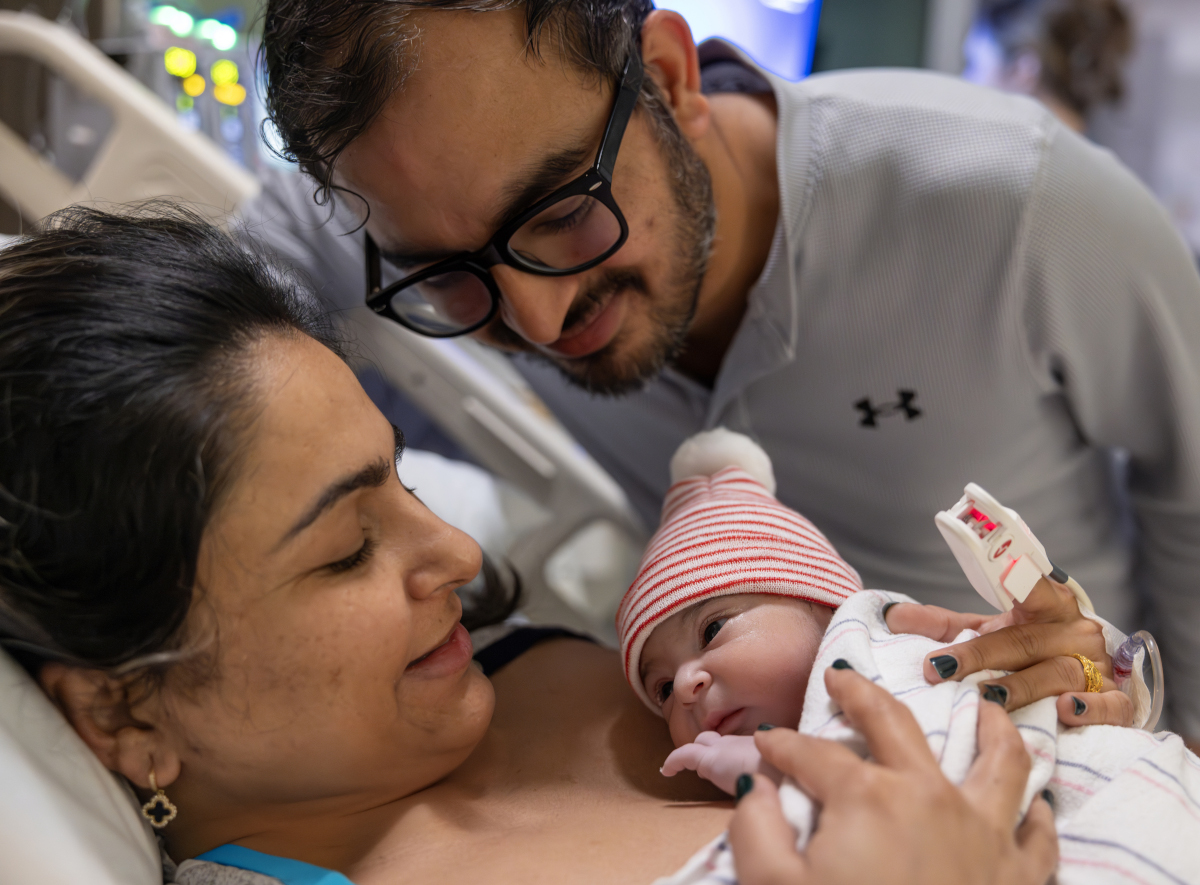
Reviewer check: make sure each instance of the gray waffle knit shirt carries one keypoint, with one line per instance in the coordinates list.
(960, 290)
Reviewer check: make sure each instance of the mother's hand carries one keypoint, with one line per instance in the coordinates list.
(896, 820)
(1035, 640)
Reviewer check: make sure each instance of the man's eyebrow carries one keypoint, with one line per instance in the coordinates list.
(373, 475)
(543, 177)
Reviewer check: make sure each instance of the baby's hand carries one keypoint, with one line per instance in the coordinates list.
(720, 759)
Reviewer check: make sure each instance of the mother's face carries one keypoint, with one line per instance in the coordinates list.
(342, 672)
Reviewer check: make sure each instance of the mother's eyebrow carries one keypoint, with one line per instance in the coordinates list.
(374, 475)
(542, 178)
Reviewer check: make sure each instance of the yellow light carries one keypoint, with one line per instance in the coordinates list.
(180, 62)
(194, 85)
(230, 93)
(224, 72)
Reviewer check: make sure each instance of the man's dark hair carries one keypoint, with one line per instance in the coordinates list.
(332, 65)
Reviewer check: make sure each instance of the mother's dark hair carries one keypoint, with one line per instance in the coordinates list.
(125, 340)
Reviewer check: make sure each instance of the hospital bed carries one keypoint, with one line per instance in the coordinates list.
(571, 534)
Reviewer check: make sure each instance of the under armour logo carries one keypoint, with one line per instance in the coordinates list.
(904, 405)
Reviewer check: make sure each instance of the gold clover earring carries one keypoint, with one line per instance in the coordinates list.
(160, 810)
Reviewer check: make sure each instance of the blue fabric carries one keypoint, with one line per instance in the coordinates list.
(287, 871)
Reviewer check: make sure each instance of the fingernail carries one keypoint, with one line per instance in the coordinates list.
(1080, 706)
(766, 726)
(1049, 797)
(946, 665)
(842, 664)
(744, 785)
(997, 694)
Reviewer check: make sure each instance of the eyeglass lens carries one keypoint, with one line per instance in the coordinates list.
(567, 234)
(444, 303)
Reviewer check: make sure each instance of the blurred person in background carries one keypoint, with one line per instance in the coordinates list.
(1068, 54)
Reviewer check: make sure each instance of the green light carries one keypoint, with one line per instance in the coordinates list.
(225, 38)
(177, 20)
(208, 27)
(184, 103)
(163, 15)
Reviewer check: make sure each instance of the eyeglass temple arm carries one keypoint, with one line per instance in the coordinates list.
(374, 281)
(627, 96)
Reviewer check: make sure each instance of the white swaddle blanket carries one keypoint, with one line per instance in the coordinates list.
(1126, 803)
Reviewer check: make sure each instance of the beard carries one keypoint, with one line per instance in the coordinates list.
(637, 355)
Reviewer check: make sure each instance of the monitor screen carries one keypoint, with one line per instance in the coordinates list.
(778, 34)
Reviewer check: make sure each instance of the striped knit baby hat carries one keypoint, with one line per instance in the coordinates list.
(722, 532)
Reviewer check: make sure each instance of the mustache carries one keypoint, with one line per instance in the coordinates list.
(598, 293)
(591, 299)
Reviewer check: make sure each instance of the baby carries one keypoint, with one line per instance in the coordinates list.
(739, 606)
(720, 629)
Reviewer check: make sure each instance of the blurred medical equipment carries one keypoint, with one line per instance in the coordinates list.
(146, 153)
(1003, 560)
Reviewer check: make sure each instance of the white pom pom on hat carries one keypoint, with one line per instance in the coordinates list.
(706, 453)
(722, 532)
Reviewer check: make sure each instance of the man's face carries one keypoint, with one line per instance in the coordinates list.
(482, 128)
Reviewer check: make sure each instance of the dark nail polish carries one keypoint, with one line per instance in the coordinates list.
(744, 785)
(946, 665)
(766, 726)
(887, 608)
(1080, 706)
(842, 664)
(997, 694)
(1058, 575)
(1049, 797)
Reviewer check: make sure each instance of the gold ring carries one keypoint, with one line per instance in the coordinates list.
(1095, 679)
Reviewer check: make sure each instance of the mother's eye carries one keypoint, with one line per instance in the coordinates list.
(354, 560)
(712, 629)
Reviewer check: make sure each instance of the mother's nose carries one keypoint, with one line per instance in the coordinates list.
(442, 558)
(533, 306)
(691, 681)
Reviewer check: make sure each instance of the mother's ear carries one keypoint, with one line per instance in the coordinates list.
(100, 709)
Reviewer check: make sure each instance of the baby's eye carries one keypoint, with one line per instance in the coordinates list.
(664, 692)
(711, 631)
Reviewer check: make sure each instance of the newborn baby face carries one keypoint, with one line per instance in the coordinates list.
(732, 663)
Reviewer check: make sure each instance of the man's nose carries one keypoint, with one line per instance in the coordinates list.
(691, 681)
(535, 306)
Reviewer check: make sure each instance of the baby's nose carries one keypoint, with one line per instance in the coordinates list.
(691, 681)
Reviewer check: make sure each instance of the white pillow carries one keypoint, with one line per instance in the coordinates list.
(64, 818)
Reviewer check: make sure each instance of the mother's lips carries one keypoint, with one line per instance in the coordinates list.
(452, 653)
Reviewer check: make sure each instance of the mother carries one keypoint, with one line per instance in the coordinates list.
(208, 558)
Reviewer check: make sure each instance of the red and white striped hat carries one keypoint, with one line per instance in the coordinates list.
(723, 532)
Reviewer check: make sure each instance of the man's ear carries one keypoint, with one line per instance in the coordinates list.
(669, 55)
(98, 707)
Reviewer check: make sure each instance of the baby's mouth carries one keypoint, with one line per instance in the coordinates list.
(725, 723)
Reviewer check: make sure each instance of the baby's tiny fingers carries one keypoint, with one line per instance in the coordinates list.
(1095, 708)
(685, 758)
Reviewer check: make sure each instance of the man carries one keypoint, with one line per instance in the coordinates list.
(896, 282)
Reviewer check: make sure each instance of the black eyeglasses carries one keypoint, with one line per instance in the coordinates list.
(573, 229)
